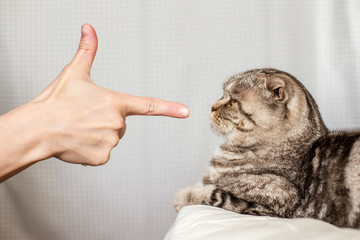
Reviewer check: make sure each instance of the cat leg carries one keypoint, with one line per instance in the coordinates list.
(208, 195)
(222, 199)
(192, 196)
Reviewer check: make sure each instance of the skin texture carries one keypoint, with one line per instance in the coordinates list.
(278, 158)
(73, 119)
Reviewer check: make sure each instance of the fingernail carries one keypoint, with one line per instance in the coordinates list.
(184, 112)
(84, 29)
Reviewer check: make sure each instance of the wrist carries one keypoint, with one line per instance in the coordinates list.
(36, 131)
(23, 137)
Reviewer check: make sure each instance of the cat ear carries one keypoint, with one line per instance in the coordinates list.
(277, 86)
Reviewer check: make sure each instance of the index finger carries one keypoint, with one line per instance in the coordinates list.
(154, 106)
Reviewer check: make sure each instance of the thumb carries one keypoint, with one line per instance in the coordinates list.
(86, 52)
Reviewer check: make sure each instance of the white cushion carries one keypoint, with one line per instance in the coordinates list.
(210, 223)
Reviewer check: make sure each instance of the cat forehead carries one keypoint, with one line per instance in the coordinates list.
(252, 81)
(256, 78)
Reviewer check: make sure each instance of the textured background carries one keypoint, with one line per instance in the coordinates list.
(176, 50)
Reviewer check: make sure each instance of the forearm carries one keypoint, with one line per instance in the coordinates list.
(73, 119)
(22, 139)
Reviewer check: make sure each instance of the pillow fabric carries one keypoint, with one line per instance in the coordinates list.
(204, 222)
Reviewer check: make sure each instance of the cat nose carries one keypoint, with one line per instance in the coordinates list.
(219, 103)
(214, 108)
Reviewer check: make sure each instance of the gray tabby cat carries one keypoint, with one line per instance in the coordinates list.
(279, 159)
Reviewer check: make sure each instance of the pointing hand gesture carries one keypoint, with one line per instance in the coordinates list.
(73, 119)
(87, 120)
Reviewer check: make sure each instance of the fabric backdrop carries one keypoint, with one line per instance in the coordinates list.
(175, 50)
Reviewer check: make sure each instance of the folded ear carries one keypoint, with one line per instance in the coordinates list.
(278, 87)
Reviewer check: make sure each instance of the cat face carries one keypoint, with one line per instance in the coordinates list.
(258, 106)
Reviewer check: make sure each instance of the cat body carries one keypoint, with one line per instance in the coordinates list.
(278, 159)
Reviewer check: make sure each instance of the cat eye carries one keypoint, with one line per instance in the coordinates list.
(229, 104)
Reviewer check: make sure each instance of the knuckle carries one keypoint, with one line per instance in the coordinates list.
(115, 120)
(84, 46)
(67, 68)
(70, 69)
(150, 106)
(119, 124)
(113, 139)
(101, 158)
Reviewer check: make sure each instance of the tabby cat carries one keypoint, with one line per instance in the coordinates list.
(278, 159)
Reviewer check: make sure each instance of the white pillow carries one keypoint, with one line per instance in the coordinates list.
(209, 223)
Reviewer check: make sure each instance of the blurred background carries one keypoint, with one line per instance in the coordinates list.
(175, 50)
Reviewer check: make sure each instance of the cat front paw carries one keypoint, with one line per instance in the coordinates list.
(192, 196)
(185, 197)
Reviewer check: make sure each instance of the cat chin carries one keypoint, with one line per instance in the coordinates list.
(221, 132)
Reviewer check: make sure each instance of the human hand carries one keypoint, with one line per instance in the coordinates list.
(86, 121)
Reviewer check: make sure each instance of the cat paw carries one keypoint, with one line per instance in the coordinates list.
(192, 196)
(185, 197)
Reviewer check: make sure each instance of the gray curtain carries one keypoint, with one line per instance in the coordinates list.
(175, 50)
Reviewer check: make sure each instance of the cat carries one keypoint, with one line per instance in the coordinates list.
(279, 159)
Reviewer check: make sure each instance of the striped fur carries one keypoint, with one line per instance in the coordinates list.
(278, 159)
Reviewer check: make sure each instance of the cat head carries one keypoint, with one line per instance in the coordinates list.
(265, 105)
